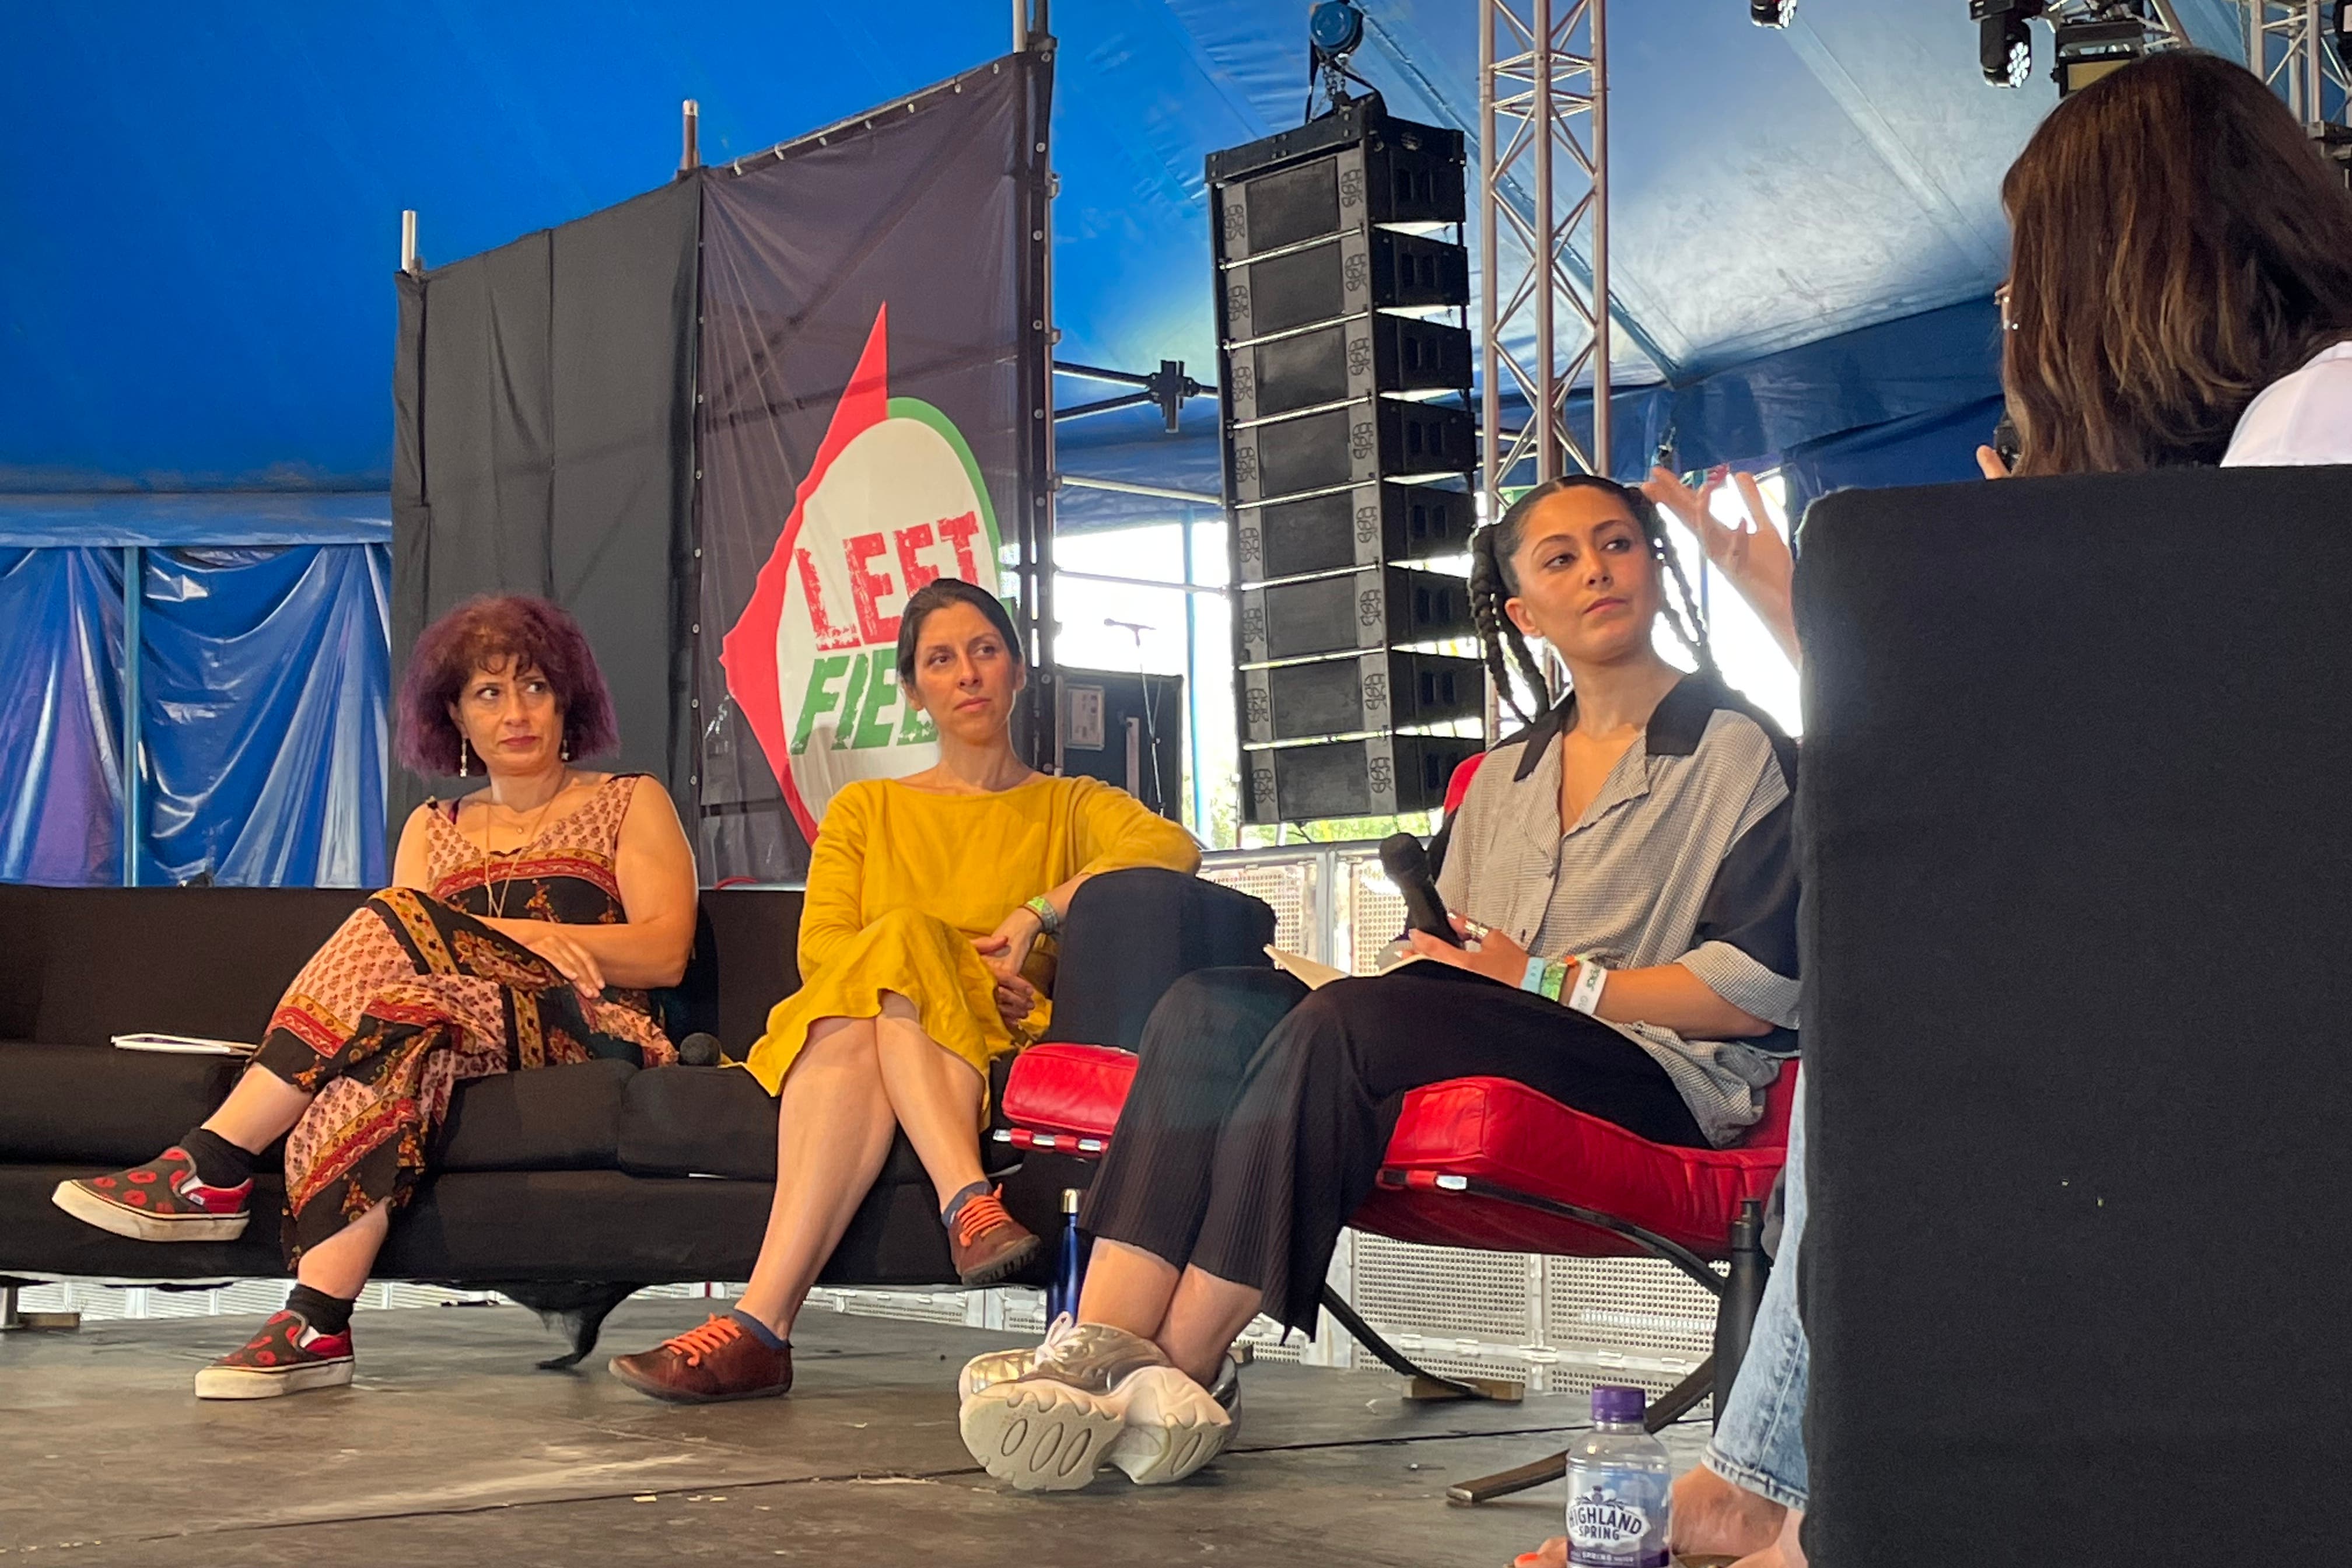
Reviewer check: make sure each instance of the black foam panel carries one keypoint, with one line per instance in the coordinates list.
(2076, 810)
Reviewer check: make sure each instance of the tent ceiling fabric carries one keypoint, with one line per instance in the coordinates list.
(198, 289)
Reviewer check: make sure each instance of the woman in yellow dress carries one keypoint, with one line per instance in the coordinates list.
(918, 960)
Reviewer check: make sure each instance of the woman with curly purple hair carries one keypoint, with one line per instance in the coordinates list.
(525, 922)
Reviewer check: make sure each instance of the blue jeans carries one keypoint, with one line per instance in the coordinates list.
(1759, 1436)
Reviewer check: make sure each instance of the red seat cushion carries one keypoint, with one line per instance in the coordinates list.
(1486, 1128)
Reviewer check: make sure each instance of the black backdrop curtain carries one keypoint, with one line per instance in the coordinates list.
(861, 314)
(543, 395)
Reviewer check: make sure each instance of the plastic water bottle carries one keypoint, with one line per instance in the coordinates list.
(1618, 1478)
(1070, 1267)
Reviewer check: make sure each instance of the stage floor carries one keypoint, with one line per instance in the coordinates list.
(452, 1449)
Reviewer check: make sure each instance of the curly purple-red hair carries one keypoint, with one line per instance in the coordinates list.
(509, 629)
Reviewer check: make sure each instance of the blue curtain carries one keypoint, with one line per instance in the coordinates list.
(60, 716)
(265, 693)
(265, 688)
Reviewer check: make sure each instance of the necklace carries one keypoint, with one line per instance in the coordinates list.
(497, 902)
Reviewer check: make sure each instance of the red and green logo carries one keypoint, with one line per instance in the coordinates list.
(893, 501)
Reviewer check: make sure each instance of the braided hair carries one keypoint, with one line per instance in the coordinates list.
(1494, 579)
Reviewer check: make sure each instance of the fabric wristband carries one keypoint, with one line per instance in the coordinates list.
(1049, 918)
(1555, 975)
(1585, 998)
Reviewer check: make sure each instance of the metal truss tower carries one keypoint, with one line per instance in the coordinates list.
(1543, 230)
(2286, 45)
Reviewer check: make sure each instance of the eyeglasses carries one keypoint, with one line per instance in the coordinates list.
(2000, 297)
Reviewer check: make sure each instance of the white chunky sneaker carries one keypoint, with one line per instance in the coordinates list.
(1173, 1440)
(1092, 1388)
(992, 1367)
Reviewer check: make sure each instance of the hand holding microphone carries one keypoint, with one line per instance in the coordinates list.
(1407, 865)
(1433, 933)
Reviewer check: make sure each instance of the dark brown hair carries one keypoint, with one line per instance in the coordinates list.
(937, 594)
(1494, 578)
(518, 633)
(2176, 244)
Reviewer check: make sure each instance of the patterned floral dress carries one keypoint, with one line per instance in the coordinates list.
(415, 996)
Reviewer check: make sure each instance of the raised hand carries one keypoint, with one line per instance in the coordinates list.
(1753, 555)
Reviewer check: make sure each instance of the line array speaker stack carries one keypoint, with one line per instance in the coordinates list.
(1348, 452)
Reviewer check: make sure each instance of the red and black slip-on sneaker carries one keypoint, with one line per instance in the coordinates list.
(159, 1201)
(288, 1356)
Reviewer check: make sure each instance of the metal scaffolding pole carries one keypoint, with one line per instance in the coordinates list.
(1543, 232)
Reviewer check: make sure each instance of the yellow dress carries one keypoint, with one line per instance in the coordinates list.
(902, 882)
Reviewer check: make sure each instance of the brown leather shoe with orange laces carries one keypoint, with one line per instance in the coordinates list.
(718, 1361)
(987, 1243)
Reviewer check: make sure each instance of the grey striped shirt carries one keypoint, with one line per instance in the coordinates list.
(1685, 855)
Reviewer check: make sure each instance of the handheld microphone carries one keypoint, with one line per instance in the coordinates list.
(699, 1050)
(1407, 865)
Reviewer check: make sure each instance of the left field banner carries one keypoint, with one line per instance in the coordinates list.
(871, 377)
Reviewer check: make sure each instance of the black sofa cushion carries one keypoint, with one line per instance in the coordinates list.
(757, 934)
(109, 1106)
(490, 1227)
(80, 965)
(1132, 934)
(719, 1121)
(564, 1118)
(697, 1121)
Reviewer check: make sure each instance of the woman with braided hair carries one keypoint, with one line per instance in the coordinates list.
(1622, 872)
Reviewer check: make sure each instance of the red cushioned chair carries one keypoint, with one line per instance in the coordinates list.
(1490, 1164)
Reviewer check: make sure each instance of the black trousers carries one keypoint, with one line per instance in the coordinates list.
(1260, 1110)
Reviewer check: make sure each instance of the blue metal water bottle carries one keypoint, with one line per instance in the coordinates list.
(1070, 1267)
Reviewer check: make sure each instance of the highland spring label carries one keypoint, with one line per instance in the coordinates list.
(1617, 1520)
(893, 501)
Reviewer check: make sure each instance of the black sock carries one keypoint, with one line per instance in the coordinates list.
(327, 1314)
(219, 1162)
(962, 1197)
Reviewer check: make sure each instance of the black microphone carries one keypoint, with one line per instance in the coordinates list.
(699, 1050)
(1407, 865)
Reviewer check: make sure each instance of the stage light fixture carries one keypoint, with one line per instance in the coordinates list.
(1334, 29)
(2090, 49)
(1772, 12)
(2004, 46)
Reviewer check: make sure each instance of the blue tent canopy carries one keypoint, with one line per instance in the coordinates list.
(197, 308)
(198, 294)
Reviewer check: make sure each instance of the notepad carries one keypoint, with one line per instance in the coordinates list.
(1317, 975)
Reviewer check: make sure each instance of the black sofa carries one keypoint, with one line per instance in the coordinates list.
(567, 1186)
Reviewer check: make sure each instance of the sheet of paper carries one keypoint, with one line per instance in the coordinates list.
(184, 1046)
